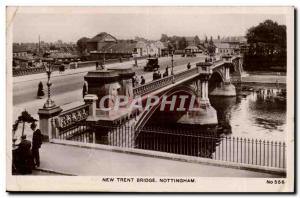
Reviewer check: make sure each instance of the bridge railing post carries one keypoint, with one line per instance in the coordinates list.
(91, 99)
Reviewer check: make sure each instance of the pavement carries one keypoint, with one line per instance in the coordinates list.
(72, 160)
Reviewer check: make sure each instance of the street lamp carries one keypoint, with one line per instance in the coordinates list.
(49, 103)
(104, 58)
(172, 60)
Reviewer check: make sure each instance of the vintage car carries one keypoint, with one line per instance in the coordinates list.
(152, 64)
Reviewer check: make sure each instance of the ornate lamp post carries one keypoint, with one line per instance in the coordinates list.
(172, 60)
(49, 110)
(49, 103)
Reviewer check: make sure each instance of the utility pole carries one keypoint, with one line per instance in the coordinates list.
(39, 45)
(172, 70)
(172, 60)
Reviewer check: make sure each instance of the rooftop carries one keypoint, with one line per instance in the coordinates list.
(103, 36)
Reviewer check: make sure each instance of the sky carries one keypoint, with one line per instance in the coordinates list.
(126, 24)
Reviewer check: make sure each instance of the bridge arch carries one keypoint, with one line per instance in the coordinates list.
(148, 113)
(216, 80)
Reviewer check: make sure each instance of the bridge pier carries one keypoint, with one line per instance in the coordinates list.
(203, 113)
(226, 89)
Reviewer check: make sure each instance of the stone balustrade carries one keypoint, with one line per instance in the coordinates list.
(160, 83)
(72, 116)
(152, 86)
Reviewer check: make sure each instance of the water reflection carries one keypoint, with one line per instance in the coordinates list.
(256, 114)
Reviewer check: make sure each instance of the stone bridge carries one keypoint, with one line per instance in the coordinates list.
(105, 86)
(171, 122)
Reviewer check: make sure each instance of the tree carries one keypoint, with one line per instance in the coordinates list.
(52, 47)
(40, 92)
(211, 49)
(164, 38)
(206, 41)
(182, 44)
(82, 45)
(197, 40)
(267, 46)
(211, 41)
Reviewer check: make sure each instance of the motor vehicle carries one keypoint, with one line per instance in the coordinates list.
(152, 64)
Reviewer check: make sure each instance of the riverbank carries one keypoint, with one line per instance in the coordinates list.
(272, 73)
(259, 81)
(264, 78)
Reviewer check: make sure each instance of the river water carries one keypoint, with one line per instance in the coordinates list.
(250, 127)
(254, 114)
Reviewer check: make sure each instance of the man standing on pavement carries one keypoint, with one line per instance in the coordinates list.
(24, 164)
(37, 139)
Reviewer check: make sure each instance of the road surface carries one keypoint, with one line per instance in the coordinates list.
(68, 88)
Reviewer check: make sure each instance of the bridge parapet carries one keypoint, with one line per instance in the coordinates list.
(71, 116)
(227, 58)
(204, 68)
(160, 83)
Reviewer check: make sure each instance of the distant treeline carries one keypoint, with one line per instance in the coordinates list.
(266, 48)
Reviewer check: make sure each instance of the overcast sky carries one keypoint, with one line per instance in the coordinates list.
(69, 26)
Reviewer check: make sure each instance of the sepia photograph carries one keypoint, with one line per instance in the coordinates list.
(150, 99)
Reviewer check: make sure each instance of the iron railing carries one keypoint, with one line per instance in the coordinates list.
(224, 148)
(28, 71)
(81, 132)
(71, 122)
(38, 70)
(192, 143)
(160, 83)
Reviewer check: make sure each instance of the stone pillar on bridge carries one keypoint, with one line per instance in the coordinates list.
(227, 89)
(203, 113)
(91, 100)
(46, 121)
(105, 89)
(125, 79)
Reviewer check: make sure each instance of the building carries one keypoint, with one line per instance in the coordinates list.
(229, 45)
(192, 49)
(224, 48)
(98, 42)
(105, 46)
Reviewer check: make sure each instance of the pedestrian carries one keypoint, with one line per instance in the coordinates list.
(24, 164)
(188, 66)
(154, 75)
(37, 140)
(84, 90)
(158, 75)
(166, 73)
(137, 82)
(97, 64)
(133, 81)
(143, 81)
